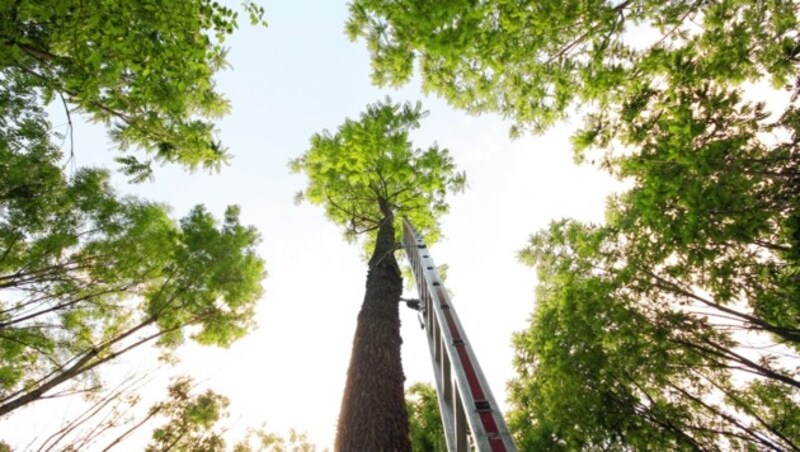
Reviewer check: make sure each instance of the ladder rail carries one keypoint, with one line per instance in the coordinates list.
(465, 400)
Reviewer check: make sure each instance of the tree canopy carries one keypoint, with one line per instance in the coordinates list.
(88, 275)
(626, 355)
(531, 60)
(676, 322)
(144, 68)
(369, 167)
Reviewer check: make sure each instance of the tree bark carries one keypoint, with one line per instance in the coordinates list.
(373, 414)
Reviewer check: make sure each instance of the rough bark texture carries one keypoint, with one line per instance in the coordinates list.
(373, 415)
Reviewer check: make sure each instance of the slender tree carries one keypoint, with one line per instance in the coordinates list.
(368, 176)
(111, 409)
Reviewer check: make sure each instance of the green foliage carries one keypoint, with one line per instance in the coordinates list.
(424, 418)
(143, 68)
(87, 275)
(368, 171)
(620, 354)
(190, 420)
(772, 404)
(255, 13)
(711, 202)
(532, 60)
(214, 281)
(636, 319)
(589, 367)
(262, 440)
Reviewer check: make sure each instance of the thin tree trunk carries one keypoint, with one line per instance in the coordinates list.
(373, 414)
(81, 366)
(132, 429)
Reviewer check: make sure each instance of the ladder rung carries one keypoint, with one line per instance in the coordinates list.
(483, 405)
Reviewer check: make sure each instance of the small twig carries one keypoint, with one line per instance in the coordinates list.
(71, 131)
(680, 22)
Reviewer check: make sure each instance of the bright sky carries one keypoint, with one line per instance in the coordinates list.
(297, 77)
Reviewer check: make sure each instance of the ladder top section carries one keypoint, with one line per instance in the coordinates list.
(462, 388)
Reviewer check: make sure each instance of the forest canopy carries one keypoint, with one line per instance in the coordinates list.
(88, 274)
(675, 322)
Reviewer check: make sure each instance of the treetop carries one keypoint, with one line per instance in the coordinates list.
(369, 171)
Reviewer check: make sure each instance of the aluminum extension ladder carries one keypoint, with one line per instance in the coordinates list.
(465, 400)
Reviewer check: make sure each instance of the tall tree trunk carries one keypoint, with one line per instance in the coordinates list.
(373, 415)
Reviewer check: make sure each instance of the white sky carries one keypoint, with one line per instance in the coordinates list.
(297, 77)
